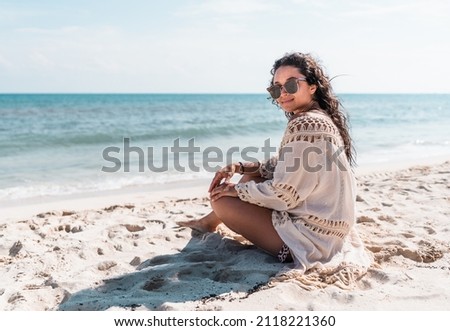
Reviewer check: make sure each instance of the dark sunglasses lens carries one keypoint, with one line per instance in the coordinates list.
(275, 91)
(291, 86)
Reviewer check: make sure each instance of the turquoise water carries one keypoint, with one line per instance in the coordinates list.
(72, 143)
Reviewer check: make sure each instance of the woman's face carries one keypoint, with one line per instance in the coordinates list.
(297, 101)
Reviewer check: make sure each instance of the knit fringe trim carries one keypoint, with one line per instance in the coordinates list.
(311, 138)
(312, 124)
(324, 226)
(315, 224)
(286, 193)
(312, 129)
(283, 192)
(244, 195)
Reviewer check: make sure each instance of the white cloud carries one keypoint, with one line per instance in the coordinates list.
(5, 63)
(61, 31)
(227, 8)
(8, 15)
(422, 9)
(41, 60)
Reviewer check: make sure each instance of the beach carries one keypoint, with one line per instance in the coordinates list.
(92, 187)
(123, 251)
(115, 117)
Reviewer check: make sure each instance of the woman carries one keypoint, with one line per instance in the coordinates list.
(299, 205)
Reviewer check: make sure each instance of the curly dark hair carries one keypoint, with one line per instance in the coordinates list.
(309, 67)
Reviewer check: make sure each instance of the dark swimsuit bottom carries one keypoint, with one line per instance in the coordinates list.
(284, 255)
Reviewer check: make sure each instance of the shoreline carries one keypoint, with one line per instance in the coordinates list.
(21, 208)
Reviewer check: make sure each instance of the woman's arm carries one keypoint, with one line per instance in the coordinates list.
(250, 169)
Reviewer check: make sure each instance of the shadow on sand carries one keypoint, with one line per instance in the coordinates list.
(208, 266)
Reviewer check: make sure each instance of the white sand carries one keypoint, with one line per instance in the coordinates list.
(125, 252)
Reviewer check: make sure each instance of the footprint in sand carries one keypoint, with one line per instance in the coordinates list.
(134, 227)
(157, 260)
(16, 297)
(227, 276)
(387, 218)
(426, 253)
(154, 283)
(15, 248)
(365, 219)
(408, 235)
(429, 230)
(163, 224)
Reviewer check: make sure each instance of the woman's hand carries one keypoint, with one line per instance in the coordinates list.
(223, 190)
(223, 174)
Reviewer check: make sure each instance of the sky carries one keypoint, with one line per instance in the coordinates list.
(223, 46)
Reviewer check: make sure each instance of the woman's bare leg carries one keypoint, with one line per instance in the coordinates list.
(207, 223)
(211, 221)
(249, 220)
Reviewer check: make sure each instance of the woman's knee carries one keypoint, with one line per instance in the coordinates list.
(221, 206)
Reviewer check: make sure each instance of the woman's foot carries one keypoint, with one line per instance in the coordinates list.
(205, 224)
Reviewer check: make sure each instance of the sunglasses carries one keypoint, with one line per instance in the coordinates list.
(291, 87)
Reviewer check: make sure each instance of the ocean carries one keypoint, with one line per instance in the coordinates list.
(62, 144)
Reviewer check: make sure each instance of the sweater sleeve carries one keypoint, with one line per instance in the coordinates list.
(300, 162)
(291, 182)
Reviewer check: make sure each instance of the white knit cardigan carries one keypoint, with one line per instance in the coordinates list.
(311, 189)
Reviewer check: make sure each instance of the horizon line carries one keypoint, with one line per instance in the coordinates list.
(214, 93)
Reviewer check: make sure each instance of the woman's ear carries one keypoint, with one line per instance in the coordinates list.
(312, 88)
